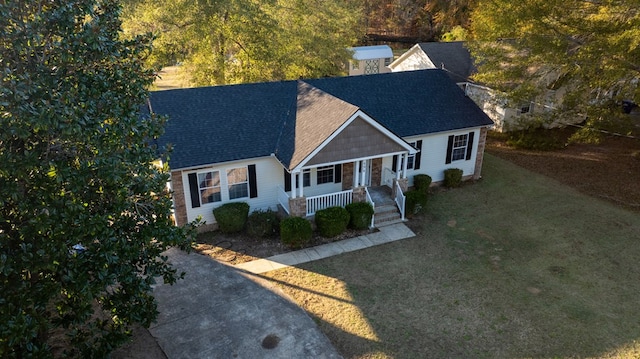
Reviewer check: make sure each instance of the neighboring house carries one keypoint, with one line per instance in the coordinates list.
(368, 60)
(304, 145)
(455, 59)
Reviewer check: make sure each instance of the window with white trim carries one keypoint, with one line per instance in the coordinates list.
(306, 177)
(238, 182)
(209, 187)
(411, 159)
(387, 61)
(459, 147)
(355, 64)
(325, 174)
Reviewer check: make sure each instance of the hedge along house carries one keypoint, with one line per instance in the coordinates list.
(309, 144)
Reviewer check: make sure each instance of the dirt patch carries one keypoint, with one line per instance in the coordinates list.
(609, 170)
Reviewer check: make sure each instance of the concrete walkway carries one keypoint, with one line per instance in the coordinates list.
(385, 234)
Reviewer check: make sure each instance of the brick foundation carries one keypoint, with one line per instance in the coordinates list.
(359, 195)
(404, 185)
(298, 207)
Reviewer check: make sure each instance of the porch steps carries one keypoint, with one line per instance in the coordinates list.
(386, 214)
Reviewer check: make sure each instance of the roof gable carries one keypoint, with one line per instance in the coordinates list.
(453, 57)
(318, 116)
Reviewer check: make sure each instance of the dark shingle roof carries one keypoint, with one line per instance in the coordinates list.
(453, 57)
(226, 123)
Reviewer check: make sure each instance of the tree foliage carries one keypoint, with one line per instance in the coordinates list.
(84, 214)
(424, 19)
(584, 54)
(235, 41)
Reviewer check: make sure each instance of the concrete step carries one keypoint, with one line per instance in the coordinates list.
(388, 223)
(386, 208)
(386, 217)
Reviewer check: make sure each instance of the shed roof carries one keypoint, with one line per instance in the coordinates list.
(227, 123)
(372, 52)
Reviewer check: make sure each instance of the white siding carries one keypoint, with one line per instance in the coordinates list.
(415, 60)
(433, 156)
(269, 174)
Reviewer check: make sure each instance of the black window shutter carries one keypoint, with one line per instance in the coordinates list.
(394, 165)
(287, 181)
(416, 161)
(253, 183)
(195, 191)
(449, 150)
(337, 173)
(470, 145)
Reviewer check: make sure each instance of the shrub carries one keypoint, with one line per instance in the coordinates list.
(422, 182)
(332, 221)
(231, 217)
(415, 202)
(452, 177)
(360, 214)
(295, 232)
(262, 223)
(537, 139)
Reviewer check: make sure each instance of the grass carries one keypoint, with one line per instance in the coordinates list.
(169, 78)
(514, 266)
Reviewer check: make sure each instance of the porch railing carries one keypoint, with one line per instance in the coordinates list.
(373, 205)
(387, 177)
(400, 199)
(283, 199)
(337, 199)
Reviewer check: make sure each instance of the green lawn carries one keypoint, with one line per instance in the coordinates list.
(514, 266)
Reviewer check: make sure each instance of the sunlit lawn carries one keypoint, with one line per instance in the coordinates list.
(514, 266)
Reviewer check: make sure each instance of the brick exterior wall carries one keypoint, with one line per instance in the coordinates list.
(480, 156)
(179, 200)
(347, 176)
(376, 172)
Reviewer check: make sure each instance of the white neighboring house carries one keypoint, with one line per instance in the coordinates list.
(300, 146)
(454, 58)
(368, 60)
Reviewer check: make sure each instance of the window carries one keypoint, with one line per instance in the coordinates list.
(526, 108)
(306, 177)
(387, 61)
(209, 187)
(411, 159)
(325, 174)
(459, 147)
(238, 183)
(372, 67)
(355, 64)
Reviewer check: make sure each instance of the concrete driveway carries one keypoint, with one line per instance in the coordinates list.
(215, 312)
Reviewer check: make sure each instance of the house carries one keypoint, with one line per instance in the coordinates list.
(304, 145)
(456, 60)
(369, 60)
(452, 57)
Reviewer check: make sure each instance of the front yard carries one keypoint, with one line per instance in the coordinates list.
(516, 265)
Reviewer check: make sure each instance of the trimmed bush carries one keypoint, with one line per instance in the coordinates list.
(262, 223)
(452, 177)
(360, 214)
(422, 182)
(415, 202)
(231, 217)
(332, 221)
(295, 232)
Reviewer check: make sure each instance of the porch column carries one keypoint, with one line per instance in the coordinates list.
(405, 158)
(363, 182)
(398, 168)
(293, 185)
(301, 183)
(356, 174)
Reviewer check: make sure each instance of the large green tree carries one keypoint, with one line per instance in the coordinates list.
(236, 41)
(84, 212)
(583, 54)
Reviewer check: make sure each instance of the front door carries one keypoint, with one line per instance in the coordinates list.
(367, 170)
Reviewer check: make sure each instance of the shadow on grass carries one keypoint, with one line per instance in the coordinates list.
(516, 265)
